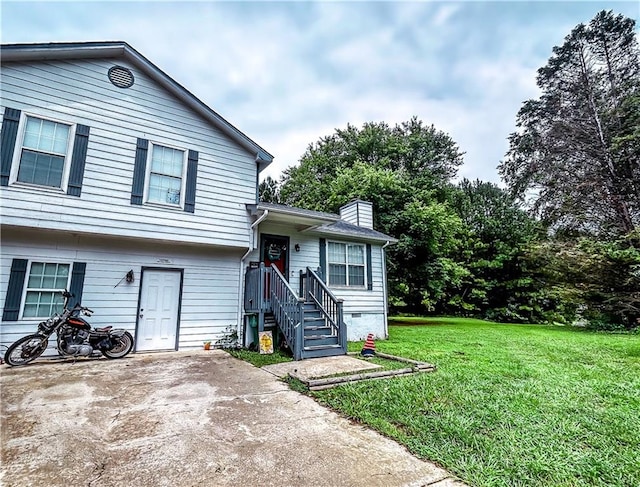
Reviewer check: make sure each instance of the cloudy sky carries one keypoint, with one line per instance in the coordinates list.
(288, 73)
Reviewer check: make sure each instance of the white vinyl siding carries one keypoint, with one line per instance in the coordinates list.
(346, 263)
(369, 304)
(79, 91)
(358, 213)
(165, 181)
(43, 285)
(209, 293)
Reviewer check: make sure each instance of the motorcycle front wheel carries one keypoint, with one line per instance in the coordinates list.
(123, 346)
(26, 350)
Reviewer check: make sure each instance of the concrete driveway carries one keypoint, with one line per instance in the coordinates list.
(185, 419)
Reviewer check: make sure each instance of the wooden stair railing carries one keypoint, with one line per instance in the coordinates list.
(312, 325)
(330, 307)
(288, 310)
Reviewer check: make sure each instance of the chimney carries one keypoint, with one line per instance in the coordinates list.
(358, 212)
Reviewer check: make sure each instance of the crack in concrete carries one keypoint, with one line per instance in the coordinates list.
(115, 418)
(437, 481)
(99, 468)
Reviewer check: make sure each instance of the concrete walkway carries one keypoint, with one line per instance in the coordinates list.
(185, 419)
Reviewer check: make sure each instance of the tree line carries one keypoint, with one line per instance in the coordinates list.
(559, 243)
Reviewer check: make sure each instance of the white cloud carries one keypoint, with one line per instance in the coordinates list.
(444, 14)
(287, 74)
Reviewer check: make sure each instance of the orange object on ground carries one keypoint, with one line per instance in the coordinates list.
(369, 347)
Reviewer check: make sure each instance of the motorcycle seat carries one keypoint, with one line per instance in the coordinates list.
(104, 328)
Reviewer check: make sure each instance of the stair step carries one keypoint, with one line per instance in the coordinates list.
(323, 352)
(317, 336)
(313, 319)
(319, 340)
(322, 347)
(317, 330)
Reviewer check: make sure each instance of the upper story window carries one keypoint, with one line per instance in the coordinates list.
(41, 152)
(346, 264)
(166, 175)
(45, 150)
(42, 293)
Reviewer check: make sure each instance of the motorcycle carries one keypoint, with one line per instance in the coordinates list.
(76, 337)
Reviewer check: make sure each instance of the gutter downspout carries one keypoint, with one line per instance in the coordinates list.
(251, 248)
(384, 282)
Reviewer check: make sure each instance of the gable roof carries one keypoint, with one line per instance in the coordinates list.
(121, 50)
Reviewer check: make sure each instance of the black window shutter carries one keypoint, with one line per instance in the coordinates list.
(190, 190)
(323, 259)
(77, 282)
(139, 172)
(369, 270)
(78, 159)
(10, 123)
(14, 290)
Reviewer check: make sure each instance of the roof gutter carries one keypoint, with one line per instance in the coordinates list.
(252, 237)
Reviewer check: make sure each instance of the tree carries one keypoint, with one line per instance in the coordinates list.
(269, 191)
(499, 284)
(597, 281)
(577, 146)
(404, 171)
(424, 157)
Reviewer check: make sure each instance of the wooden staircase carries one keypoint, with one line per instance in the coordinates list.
(312, 327)
(319, 338)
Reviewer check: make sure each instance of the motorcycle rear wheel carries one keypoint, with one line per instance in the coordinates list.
(26, 350)
(123, 347)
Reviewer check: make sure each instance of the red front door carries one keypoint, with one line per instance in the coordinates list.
(274, 249)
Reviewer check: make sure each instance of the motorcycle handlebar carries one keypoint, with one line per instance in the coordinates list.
(81, 309)
(77, 308)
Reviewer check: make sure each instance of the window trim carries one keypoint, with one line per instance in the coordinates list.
(25, 286)
(183, 177)
(363, 265)
(19, 146)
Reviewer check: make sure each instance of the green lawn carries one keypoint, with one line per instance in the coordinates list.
(509, 404)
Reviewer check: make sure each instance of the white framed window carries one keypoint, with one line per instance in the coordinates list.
(346, 263)
(44, 283)
(166, 175)
(44, 152)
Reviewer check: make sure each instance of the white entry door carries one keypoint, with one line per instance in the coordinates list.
(158, 310)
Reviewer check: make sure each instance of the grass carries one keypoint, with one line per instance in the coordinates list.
(510, 405)
(259, 360)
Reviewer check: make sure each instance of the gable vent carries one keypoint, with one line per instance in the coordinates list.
(121, 77)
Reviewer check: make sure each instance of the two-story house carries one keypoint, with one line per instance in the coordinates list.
(119, 184)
